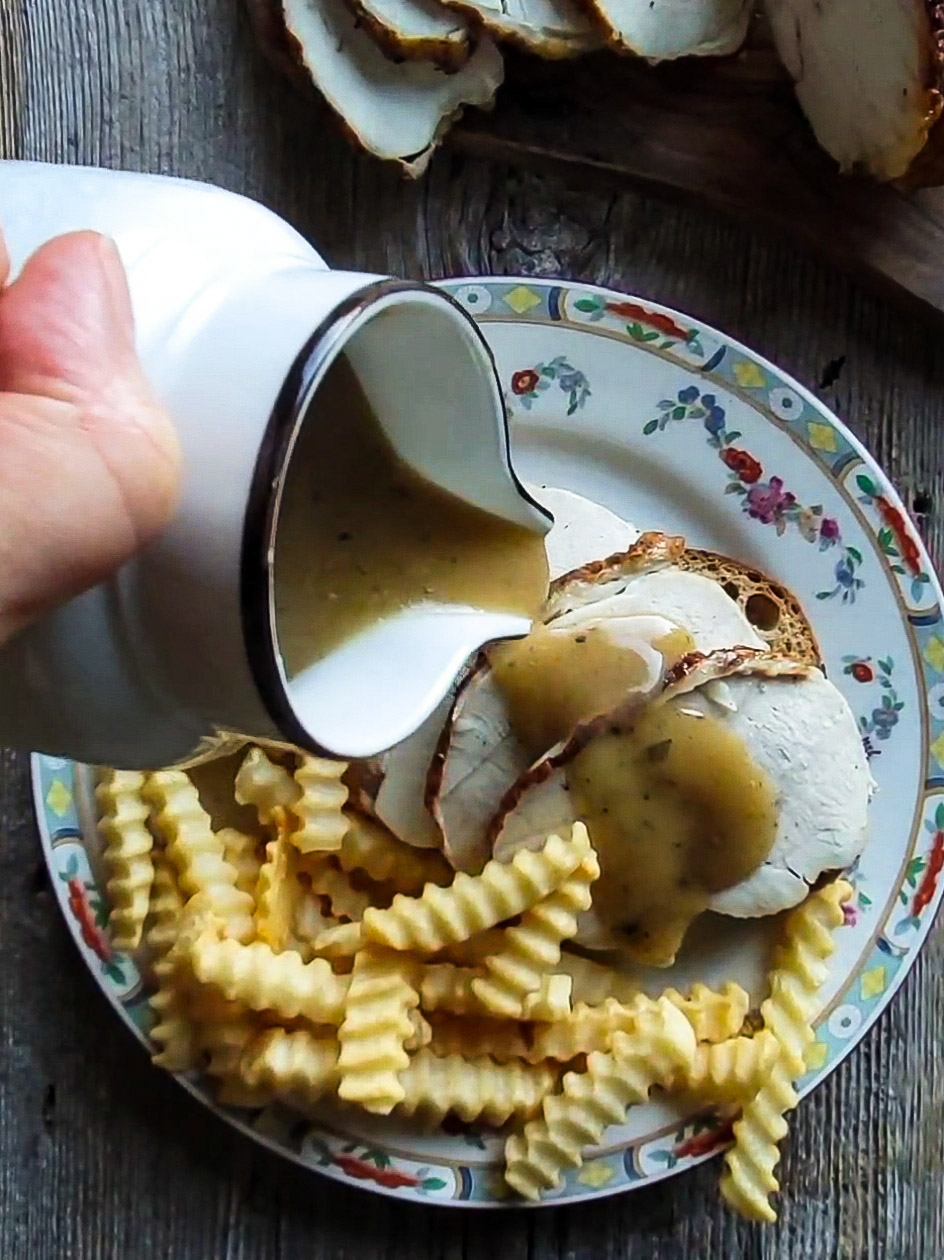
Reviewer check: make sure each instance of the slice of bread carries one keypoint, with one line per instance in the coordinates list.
(773, 610)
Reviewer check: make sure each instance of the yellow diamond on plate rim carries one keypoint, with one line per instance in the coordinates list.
(595, 1174)
(874, 982)
(937, 750)
(822, 436)
(934, 653)
(749, 375)
(59, 798)
(522, 299)
(816, 1056)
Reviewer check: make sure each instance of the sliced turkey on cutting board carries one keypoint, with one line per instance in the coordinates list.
(869, 76)
(664, 30)
(551, 28)
(423, 30)
(398, 111)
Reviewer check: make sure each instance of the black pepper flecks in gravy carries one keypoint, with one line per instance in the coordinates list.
(677, 810)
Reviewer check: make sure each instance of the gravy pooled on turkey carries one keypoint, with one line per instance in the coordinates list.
(676, 807)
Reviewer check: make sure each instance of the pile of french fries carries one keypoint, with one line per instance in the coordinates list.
(330, 960)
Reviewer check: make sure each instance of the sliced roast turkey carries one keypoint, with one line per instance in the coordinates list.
(869, 76)
(664, 30)
(611, 629)
(396, 110)
(733, 790)
(550, 28)
(420, 30)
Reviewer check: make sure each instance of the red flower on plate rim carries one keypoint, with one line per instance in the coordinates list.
(663, 323)
(362, 1170)
(743, 463)
(862, 671)
(92, 934)
(525, 381)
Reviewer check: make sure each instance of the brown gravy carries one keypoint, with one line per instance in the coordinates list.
(677, 810)
(554, 679)
(676, 807)
(362, 536)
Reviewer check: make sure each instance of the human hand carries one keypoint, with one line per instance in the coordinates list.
(89, 460)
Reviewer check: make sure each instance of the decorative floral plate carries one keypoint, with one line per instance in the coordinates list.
(676, 427)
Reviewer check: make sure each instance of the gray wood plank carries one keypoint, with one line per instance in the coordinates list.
(102, 1157)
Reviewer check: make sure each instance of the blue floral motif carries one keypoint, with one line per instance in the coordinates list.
(766, 501)
(883, 719)
(528, 384)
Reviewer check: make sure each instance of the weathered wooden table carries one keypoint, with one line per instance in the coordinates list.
(103, 1157)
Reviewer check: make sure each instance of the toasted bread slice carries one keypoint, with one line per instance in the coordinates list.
(773, 610)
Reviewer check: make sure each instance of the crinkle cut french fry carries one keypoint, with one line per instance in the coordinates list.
(242, 853)
(260, 978)
(714, 1014)
(375, 1029)
(748, 1179)
(795, 983)
(445, 987)
(594, 982)
(197, 851)
(730, 1071)
(369, 847)
(472, 1089)
(477, 1036)
(126, 852)
(346, 901)
(588, 1028)
(295, 1065)
(172, 1031)
(800, 969)
(533, 947)
(471, 903)
(317, 812)
(339, 940)
(277, 894)
(165, 908)
(661, 1045)
(265, 785)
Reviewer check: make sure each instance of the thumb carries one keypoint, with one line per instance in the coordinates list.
(90, 466)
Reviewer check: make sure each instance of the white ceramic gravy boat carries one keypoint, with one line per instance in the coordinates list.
(237, 320)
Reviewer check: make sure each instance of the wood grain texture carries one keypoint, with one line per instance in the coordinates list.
(103, 1158)
(726, 133)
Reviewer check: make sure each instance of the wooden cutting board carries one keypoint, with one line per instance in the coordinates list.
(728, 133)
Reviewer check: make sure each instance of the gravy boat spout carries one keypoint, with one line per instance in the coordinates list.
(430, 384)
(381, 685)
